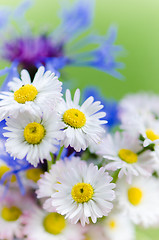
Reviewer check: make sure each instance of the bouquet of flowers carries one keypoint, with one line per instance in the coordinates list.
(72, 168)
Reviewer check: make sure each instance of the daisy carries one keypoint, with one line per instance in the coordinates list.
(49, 179)
(42, 94)
(149, 130)
(117, 226)
(145, 124)
(82, 124)
(30, 177)
(12, 208)
(133, 104)
(122, 152)
(33, 137)
(84, 191)
(139, 201)
(51, 226)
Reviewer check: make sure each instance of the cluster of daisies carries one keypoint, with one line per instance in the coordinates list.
(64, 174)
(67, 170)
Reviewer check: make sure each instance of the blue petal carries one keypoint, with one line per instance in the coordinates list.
(75, 18)
(103, 57)
(55, 64)
(12, 72)
(110, 106)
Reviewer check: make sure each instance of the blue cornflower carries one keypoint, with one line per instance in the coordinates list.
(110, 106)
(61, 47)
(15, 166)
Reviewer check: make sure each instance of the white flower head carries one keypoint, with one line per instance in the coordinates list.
(117, 226)
(139, 200)
(150, 132)
(84, 191)
(44, 93)
(132, 104)
(145, 125)
(121, 151)
(82, 124)
(49, 179)
(51, 226)
(30, 177)
(32, 136)
(12, 208)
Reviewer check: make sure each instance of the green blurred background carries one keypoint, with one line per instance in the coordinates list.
(138, 32)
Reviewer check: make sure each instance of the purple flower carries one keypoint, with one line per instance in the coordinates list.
(58, 48)
(31, 50)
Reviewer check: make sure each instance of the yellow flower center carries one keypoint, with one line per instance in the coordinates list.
(87, 237)
(134, 195)
(34, 133)
(10, 214)
(74, 118)
(151, 135)
(128, 156)
(34, 174)
(26, 93)
(54, 223)
(82, 192)
(4, 169)
(112, 224)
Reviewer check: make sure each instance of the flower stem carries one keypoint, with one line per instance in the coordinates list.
(115, 175)
(59, 154)
(149, 147)
(49, 163)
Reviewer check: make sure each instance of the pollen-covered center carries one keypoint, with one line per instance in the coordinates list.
(151, 135)
(26, 93)
(128, 156)
(135, 195)
(112, 224)
(87, 237)
(82, 192)
(4, 169)
(74, 118)
(10, 213)
(34, 174)
(54, 223)
(34, 132)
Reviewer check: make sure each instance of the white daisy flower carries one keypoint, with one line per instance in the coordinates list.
(149, 131)
(51, 226)
(49, 179)
(133, 104)
(139, 201)
(117, 226)
(83, 192)
(82, 124)
(12, 208)
(145, 125)
(32, 136)
(44, 93)
(121, 151)
(31, 176)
